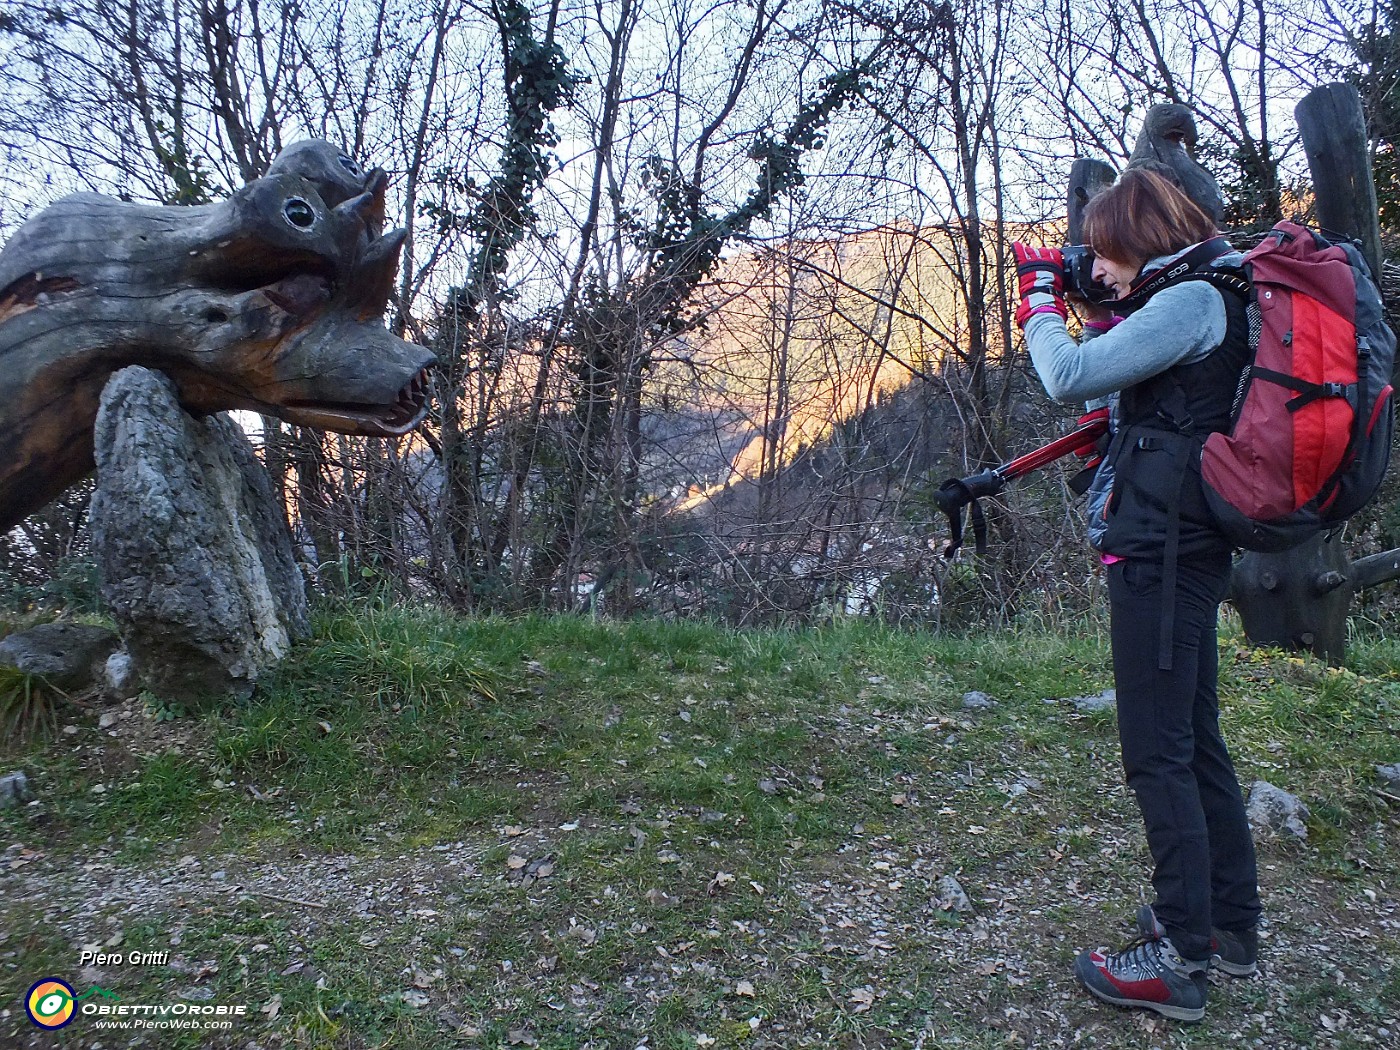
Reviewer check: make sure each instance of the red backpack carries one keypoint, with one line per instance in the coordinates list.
(1310, 432)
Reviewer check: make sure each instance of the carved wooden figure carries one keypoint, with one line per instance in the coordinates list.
(270, 301)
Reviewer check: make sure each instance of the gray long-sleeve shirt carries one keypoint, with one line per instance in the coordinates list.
(1179, 325)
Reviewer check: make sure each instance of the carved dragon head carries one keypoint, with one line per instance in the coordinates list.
(269, 301)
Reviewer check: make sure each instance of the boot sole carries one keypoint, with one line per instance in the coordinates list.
(1234, 969)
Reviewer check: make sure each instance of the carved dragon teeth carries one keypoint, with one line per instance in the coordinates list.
(413, 395)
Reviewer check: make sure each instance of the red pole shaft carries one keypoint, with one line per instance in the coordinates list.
(1080, 437)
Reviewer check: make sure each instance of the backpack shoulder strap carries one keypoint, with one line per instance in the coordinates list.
(1195, 265)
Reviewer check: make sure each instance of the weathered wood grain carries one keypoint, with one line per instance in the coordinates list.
(269, 301)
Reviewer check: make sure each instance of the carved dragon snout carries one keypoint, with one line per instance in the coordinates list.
(269, 301)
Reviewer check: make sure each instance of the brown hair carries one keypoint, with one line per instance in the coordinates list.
(1142, 216)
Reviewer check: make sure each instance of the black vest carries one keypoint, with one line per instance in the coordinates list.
(1155, 455)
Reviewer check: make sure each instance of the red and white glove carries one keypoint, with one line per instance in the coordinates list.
(1042, 282)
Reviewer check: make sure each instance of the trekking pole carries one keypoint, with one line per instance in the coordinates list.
(956, 493)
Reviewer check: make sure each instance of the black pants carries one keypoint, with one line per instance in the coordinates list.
(1173, 754)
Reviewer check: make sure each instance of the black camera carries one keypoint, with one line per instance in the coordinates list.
(1079, 274)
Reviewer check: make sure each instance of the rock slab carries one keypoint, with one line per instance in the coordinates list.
(68, 656)
(197, 566)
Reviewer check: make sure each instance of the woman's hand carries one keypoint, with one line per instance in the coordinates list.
(1042, 282)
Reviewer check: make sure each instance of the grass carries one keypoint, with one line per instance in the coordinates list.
(430, 832)
(28, 706)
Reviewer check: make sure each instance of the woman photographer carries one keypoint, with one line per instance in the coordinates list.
(1173, 363)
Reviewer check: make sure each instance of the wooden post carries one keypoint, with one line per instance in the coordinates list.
(1086, 178)
(1333, 129)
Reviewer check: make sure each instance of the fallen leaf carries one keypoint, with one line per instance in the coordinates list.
(863, 998)
(273, 1007)
(744, 988)
(721, 880)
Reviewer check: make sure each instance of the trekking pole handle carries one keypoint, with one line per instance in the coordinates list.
(956, 493)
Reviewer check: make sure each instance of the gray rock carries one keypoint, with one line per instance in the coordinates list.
(69, 656)
(1274, 810)
(977, 701)
(119, 678)
(952, 897)
(1391, 776)
(14, 789)
(1088, 705)
(196, 562)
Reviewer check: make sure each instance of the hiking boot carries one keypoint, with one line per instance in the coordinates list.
(1235, 952)
(1149, 973)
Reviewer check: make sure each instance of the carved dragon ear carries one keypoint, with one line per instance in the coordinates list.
(376, 185)
(359, 220)
(371, 280)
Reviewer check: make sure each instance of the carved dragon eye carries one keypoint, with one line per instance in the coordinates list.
(349, 165)
(299, 213)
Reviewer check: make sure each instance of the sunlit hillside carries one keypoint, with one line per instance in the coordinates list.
(804, 335)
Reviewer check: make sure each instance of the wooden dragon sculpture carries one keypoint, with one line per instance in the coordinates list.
(269, 301)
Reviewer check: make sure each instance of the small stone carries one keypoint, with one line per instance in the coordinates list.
(119, 678)
(1088, 705)
(1391, 776)
(108, 720)
(1275, 810)
(977, 701)
(14, 789)
(951, 896)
